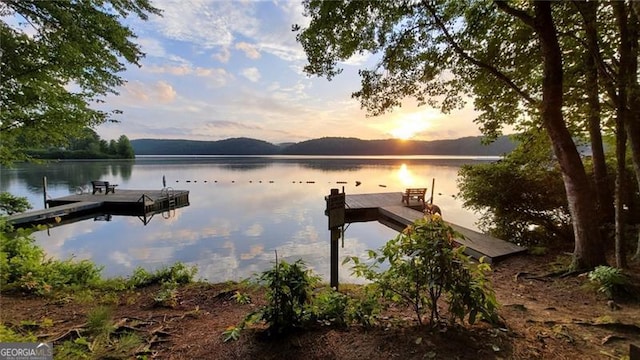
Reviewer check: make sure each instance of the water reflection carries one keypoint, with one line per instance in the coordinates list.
(247, 209)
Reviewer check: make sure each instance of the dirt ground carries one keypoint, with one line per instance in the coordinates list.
(545, 318)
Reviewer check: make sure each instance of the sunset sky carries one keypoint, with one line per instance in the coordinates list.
(221, 69)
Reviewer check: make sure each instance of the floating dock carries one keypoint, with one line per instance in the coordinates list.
(388, 209)
(121, 202)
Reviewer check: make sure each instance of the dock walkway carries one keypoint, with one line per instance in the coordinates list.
(122, 202)
(388, 209)
(52, 213)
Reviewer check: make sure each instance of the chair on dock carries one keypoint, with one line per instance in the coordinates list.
(414, 193)
(98, 186)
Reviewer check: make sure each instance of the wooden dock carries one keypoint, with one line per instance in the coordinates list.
(388, 209)
(122, 202)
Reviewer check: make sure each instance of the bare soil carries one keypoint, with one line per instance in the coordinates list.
(545, 317)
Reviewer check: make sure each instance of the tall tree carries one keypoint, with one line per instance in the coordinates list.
(618, 68)
(58, 58)
(509, 60)
(124, 148)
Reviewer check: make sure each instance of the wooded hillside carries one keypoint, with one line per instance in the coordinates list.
(325, 146)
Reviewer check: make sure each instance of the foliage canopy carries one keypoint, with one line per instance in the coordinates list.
(58, 59)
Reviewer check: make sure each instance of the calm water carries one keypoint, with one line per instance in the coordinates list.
(242, 209)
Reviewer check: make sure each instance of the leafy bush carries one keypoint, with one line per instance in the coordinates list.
(364, 309)
(521, 198)
(423, 266)
(10, 204)
(167, 296)
(330, 307)
(8, 335)
(289, 289)
(609, 280)
(177, 273)
(23, 265)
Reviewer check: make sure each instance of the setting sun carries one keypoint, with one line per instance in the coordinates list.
(410, 125)
(405, 132)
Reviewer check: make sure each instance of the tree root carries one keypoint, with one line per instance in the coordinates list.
(618, 326)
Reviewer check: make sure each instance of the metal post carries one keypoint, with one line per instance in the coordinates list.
(44, 194)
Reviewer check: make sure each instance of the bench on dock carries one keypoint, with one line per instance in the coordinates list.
(414, 193)
(98, 186)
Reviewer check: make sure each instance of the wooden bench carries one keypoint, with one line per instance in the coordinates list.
(98, 186)
(414, 193)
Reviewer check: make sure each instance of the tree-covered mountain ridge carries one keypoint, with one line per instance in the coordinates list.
(465, 146)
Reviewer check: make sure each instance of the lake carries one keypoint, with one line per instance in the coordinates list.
(242, 209)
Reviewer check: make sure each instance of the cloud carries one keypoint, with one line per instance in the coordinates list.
(152, 47)
(222, 124)
(158, 92)
(206, 23)
(253, 74)
(218, 77)
(223, 56)
(249, 50)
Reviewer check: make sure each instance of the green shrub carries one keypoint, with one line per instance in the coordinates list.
(609, 280)
(424, 264)
(10, 204)
(289, 289)
(8, 335)
(167, 296)
(23, 265)
(330, 307)
(177, 273)
(364, 309)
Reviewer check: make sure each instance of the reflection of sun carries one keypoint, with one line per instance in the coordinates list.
(412, 124)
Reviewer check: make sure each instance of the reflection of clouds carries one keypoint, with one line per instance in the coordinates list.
(215, 267)
(157, 255)
(54, 243)
(121, 258)
(308, 233)
(254, 230)
(254, 251)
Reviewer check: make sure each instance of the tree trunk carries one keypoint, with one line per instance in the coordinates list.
(622, 115)
(600, 175)
(633, 121)
(588, 250)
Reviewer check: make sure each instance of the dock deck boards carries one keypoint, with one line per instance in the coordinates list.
(121, 202)
(118, 197)
(369, 201)
(53, 212)
(390, 211)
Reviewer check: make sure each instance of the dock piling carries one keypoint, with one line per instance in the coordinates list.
(335, 211)
(44, 188)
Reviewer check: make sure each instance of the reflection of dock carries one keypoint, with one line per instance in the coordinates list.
(388, 209)
(122, 202)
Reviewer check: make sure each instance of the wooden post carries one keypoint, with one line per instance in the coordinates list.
(44, 187)
(335, 236)
(335, 211)
(433, 185)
